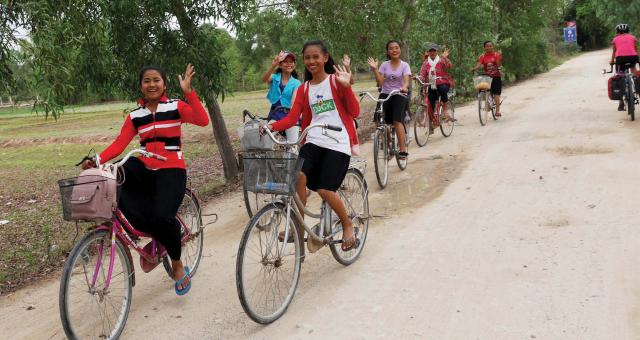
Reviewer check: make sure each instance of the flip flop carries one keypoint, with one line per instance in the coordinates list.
(178, 283)
(355, 244)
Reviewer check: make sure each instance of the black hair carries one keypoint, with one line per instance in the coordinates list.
(386, 51)
(487, 42)
(294, 73)
(328, 66)
(144, 70)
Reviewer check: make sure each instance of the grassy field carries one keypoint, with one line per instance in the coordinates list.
(36, 153)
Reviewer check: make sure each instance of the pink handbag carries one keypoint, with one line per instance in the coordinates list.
(93, 196)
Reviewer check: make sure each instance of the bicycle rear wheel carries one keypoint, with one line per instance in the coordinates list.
(266, 274)
(355, 195)
(446, 126)
(402, 163)
(483, 107)
(492, 106)
(631, 99)
(88, 308)
(380, 159)
(421, 126)
(190, 216)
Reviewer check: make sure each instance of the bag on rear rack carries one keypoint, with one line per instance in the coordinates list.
(251, 139)
(616, 87)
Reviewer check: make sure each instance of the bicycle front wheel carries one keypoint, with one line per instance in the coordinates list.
(381, 161)
(355, 195)
(446, 126)
(267, 269)
(483, 107)
(90, 305)
(421, 126)
(190, 218)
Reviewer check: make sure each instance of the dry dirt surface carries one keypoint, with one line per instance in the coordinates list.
(525, 228)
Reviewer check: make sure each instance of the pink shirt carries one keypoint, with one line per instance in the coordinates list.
(625, 45)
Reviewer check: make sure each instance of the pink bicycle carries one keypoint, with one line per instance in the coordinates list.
(98, 276)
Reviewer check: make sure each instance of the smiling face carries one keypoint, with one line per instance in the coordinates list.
(393, 51)
(288, 65)
(152, 85)
(433, 53)
(314, 59)
(488, 47)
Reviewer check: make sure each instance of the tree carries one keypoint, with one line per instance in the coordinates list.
(100, 45)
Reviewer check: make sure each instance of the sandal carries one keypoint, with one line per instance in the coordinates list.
(179, 283)
(403, 155)
(498, 114)
(354, 245)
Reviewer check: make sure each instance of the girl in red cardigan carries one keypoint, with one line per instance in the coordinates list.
(153, 190)
(325, 97)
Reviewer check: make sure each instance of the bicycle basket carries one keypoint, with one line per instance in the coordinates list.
(88, 197)
(251, 139)
(271, 172)
(482, 83)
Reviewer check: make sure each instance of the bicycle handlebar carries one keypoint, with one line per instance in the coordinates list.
(392, 93)
(302, 136)
(246, 113)
(142, 152)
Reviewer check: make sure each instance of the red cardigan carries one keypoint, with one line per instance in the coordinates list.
(346, 103)
(160, 132)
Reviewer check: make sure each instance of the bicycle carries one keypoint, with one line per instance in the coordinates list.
(486, 103)
(438, 118)
(99, 270)
(383, 149)
(267, 267)
(630, 97)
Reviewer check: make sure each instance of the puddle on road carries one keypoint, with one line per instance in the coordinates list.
(422, 182)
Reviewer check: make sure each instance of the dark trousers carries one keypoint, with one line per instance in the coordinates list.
(150, 200)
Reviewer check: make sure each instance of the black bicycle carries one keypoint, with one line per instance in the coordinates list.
(629, 95)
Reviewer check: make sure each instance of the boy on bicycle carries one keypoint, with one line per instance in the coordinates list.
(435, 70)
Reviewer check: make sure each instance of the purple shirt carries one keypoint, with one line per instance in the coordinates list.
(393, 78)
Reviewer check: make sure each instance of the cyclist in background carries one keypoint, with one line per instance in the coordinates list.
(624, 52)
(283, 83)
(492, 63)
(394, 74)
(434, 70)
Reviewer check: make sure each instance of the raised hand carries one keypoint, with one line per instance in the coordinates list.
(445, 54)
(346, 61)
(185, 80)
(278, 59)
(373, 63)
(343, 75)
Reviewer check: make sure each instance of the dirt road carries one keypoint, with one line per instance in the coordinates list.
(525, 228)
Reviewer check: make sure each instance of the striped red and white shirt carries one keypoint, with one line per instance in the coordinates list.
(160, 132)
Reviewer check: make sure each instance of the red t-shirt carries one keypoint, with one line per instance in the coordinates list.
(490, 62)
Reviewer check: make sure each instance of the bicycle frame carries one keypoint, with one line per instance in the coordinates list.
(121, 228)
(290, 201)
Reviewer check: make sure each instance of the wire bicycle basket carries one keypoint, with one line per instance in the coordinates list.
(271, 172)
